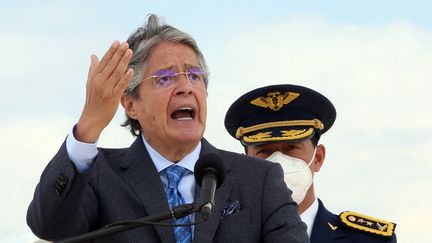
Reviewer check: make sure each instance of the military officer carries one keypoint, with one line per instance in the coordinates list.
(283, 124)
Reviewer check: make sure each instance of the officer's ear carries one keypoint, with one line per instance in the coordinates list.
(319, 158)
(246, 149)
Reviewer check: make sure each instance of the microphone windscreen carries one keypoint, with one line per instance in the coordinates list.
(210, 163)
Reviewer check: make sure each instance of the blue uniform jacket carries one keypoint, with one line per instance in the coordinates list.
(328, 227)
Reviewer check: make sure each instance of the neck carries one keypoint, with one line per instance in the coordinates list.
(173, 152)
(308, 200)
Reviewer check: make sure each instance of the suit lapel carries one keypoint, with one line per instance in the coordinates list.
(142, 177)
(205, 232)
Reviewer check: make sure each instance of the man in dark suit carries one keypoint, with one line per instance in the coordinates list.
(283, 123)
(160, 77)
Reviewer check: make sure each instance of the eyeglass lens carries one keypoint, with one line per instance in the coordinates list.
(167, 77)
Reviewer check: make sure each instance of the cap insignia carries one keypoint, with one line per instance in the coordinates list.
(275, 100)
(296, 134)
(260, 136)
(315, 123)
(368, 224)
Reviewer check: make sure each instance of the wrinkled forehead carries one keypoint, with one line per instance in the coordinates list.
(174, 56)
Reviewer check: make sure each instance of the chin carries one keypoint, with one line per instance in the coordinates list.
(189, 136)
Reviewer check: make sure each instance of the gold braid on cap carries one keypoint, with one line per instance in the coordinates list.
(315, 123)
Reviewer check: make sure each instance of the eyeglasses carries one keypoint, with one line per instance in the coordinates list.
(166, 78)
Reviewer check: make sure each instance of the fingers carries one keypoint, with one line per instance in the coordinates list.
(107, 80)
(118, 65)
(123, 83)
(93, 67)
(111, 69)
(108, 55)
(110, 66)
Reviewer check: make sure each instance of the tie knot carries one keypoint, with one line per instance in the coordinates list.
(174, 173)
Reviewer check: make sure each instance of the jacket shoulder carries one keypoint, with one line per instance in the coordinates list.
(367, 224)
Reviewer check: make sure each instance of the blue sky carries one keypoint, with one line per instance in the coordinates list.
(371, 58)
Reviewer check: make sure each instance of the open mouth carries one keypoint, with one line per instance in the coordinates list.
(182, 114)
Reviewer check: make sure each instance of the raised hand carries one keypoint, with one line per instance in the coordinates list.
(106, 83)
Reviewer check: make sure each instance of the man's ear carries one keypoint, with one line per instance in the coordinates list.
(319, 158)
(128, 104)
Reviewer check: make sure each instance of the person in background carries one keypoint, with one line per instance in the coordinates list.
(283, 123)
(160, 77)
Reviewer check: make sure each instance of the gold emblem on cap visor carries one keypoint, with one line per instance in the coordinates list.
(275, 100)
(315, 123)
(296, 134)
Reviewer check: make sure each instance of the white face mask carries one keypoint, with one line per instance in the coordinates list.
(297, 174)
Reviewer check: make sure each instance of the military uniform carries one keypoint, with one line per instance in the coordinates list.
(291, 113)
(329, 227)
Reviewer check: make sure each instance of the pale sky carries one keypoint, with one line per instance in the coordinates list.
(372, 59)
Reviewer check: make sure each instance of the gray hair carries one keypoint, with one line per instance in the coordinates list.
(142, 42)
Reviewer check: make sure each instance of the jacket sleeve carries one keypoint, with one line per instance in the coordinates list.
(64, 204)
(393, 239)
(280, 213)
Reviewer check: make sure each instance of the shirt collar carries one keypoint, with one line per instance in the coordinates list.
(308, 216)
(162, 163)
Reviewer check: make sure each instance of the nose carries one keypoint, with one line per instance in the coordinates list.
(183, 85)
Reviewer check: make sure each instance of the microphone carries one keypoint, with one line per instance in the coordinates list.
(209, 174)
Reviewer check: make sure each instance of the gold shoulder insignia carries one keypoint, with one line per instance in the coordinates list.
(367, 224)
(275, 100)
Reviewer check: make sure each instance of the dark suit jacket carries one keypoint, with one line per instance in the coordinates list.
(323, 233)
(124, 184)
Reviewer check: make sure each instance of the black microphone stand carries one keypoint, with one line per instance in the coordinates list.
(177, 212)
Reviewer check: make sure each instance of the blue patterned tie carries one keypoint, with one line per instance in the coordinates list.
(174, 173)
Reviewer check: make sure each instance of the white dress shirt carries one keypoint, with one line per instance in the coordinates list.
(81, 154)
(309, 215)
(186, 185)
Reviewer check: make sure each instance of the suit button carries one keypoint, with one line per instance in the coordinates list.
(58, 192)
(60, 184)
(62, 179)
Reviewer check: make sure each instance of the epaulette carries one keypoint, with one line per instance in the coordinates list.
(367, 224)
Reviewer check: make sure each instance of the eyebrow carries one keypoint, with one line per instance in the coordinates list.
(163, 71)
(173, 67)
(170, 68)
